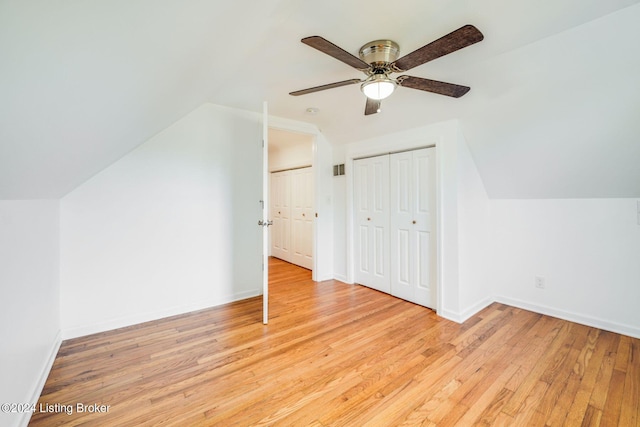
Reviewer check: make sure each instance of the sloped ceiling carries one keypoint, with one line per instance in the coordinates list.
(551, 113)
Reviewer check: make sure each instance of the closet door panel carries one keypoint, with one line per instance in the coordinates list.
(423, 250)
(403, 265)
(302, 217)
(281, 214)
(412, 177)
(379, 255)
(394, 201)
(362, 262)
(292, 213)
(371, 202)
(402, 206)
(308, 215)
(424, 179)
(424, 228)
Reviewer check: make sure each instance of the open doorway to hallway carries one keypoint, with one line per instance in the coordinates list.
(292, 197)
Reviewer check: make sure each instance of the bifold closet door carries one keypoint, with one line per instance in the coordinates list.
(293, 214)
(371, 240)
(281, 215)
(412, 226)
(302, 217)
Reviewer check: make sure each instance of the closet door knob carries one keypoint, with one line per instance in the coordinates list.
(368, 219)
(413, 222)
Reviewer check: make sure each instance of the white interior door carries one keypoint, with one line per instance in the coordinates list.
(302, 217)
(281, 215)
(412, 226)
(371, 204)
(265, 222)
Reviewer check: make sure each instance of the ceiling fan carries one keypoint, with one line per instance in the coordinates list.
(379, 58)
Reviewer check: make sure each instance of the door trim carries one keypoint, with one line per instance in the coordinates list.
(291, 169)
(265, 213)
(395, 152)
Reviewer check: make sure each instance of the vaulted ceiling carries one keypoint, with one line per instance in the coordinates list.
(552, 110)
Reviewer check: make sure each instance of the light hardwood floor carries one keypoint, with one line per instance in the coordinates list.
(335, 354)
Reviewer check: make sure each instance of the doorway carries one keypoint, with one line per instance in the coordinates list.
(292, 197)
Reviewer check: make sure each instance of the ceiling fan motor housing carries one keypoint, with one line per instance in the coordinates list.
(379, 53)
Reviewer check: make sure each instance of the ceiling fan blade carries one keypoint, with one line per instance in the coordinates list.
(441, 88)
(325, 87)
(331, 49)
(371, 107)
(458, 39)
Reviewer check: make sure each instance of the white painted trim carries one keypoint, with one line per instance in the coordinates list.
(324, 277)
(266, 208)
(468, 313)
(476, 308)
(439, 231)
(25, 417)
(315, 170)
(124, 321)
(291, 166)
(348, 172)
(595, 322)
(450, 315)
(341, 278)
(293, 125)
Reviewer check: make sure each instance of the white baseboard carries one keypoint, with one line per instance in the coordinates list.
(42, 378)
(124, 321)
(476, 308)
(464, 315)
(323, 277)
(595, 322)
(449, 315)
(572, 317)
(341, 278)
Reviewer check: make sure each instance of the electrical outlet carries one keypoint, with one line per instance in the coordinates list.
(539, 282)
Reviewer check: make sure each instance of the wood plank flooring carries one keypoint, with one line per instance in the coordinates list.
(335, 354)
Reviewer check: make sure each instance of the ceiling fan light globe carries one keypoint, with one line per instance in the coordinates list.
(378, 88)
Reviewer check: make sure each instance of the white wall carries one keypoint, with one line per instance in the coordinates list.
(323, 186)
(473, 235)
(169, 228)
(290, 155)
(339, 187)
(587, 250)
(29, 306)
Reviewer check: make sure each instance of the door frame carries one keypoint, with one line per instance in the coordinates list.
(265, 213)
(311, 130)
(373, 150)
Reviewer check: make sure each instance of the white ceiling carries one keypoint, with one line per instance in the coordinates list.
(552, 111)
(281, 140)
